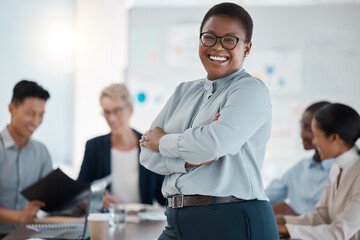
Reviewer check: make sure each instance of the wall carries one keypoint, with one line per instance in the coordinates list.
(73, 49)
(101, 58)
(36, 43)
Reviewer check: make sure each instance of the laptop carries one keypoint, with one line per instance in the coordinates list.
(74, 230)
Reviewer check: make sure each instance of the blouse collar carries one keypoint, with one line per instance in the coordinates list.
(347, 159)
(344, 161)
(211, 86)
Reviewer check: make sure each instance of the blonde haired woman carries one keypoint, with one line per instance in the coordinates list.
(118, 153)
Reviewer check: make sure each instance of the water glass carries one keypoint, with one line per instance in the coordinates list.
(117, 215)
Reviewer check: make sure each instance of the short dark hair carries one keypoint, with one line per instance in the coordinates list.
(341, 119)
(233, 11)
(313, 108)
(26, 88)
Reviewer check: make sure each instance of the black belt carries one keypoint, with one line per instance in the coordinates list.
(180, 201)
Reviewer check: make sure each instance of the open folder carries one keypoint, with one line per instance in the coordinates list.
(56, 190)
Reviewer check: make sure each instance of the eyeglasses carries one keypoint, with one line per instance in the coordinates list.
(229, 42)
(117, 111)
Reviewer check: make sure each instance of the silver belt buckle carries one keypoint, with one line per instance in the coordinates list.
(178, 201)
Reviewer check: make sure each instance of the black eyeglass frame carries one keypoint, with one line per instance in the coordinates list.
(221, 40)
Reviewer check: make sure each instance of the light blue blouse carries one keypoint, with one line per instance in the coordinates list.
(236, 141)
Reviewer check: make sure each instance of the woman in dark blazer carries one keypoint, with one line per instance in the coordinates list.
(118, 153)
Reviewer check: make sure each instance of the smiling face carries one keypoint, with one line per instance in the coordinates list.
(218, 61)
(325, 145)
(26, 117)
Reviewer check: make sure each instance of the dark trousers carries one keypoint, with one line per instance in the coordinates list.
(245, 220)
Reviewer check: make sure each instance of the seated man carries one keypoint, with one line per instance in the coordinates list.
(303, 184)
(23, 161)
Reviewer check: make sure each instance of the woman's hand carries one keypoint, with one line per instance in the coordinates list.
(30, 210)
(109, 199)
(196, 165)
(216, 117)
(282, 208)
(151, 138)
(283, 230)
(280, 220)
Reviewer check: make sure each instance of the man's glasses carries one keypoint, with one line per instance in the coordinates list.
(228, 42)
(117, 111)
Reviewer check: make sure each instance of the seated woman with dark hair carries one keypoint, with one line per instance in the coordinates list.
(336, 128)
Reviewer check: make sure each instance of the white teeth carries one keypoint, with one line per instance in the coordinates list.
(218, 58)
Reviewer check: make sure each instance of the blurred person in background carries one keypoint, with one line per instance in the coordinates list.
(23, 160)
(303, 184)
(117, 153)
(336, 129)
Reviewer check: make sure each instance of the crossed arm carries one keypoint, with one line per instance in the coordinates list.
(151, 140)
(239, 121)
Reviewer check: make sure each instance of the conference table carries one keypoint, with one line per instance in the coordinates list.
(145, 230)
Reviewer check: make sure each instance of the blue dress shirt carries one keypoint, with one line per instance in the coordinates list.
(236, 141)
(19, 168)
(302, 185)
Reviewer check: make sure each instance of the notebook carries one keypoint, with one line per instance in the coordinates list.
(73, 230)
(55, 198)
